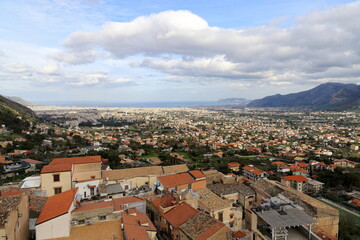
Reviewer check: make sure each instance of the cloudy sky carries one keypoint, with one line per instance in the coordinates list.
(178, 50)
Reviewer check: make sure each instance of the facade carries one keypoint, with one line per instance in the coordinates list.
(254, 174)
(63, 174)
(14, 217)
(297, 182)
(54, 220)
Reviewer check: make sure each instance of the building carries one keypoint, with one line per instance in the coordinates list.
(327, 217)
(193, 180)
(54, 220)
(297, 182)
(63, 174)
(236, 192)
(143, 176)
(234, 166)
(14, 217)
(221, 209)
(253, 173)
(278, 219)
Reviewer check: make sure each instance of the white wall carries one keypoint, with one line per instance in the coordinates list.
(83, 187)
(54, 228)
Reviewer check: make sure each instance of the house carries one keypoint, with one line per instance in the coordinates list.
(234, 166)
(203, 226)
(297, 182)
(176, 217)
(54, 220)
(14, 216)
(193, 180)
(253, 173)
(219, 208)
(283, 219)
(236, 192)
(142, 176)
(314, 187)
(326, 216)
(63, 174)
(137, 226)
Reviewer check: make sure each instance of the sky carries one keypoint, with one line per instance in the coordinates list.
(178, 50)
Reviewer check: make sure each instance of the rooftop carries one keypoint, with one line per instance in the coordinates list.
(212, 201)
(180, 214)
(296, 178)
(289, 217)
(225, 189)
(201, 226)
(176, 179)
(57, 205)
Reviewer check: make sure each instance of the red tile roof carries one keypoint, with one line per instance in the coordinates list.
(56, 168)
(197, 174)
(134, 229)
(76, 160)
(210, 231)
(91, 206)
(233, 164)
(296, 178)
(180, 214)
(57, 205)
(163, 202)
(176, 180)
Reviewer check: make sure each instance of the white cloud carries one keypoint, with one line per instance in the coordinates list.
(183, 45)
(19, 68)
(50, 69)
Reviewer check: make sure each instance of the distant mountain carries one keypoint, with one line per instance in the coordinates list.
(15, 116)
(237, 101)
(21, 101)
(327, 96)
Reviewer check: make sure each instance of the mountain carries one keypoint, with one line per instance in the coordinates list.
(15, 116)
(237, 101)
(21, 101)
(327, 96)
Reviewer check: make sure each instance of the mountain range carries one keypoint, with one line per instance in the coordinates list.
(327, 96)
(15, 116)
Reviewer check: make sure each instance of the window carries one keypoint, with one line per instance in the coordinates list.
(126, 187)
(220, 216)
(92, 177)
(92, 191)
(81, 221)
(56, 177)
(57, 190)
(102, 218)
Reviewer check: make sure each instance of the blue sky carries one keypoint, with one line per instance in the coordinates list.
(135, 51)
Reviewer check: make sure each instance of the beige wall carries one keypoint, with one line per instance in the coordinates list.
(48, 184)
(86, 171)
(17, 226)
(54, 228)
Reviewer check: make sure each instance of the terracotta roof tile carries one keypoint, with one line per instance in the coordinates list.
(176, 179)
(76, 160)
(296, 178)
(197, 174)
(57, 205)
(56, 168)
(180, 214)
(95, 205)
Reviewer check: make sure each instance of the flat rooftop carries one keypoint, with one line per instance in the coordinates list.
(289, 217)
